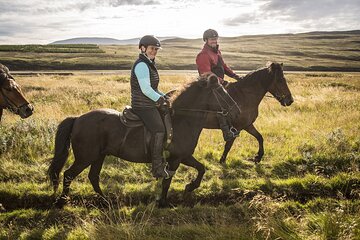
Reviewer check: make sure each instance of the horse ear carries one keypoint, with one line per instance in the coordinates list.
(212, 81)
(270, 66)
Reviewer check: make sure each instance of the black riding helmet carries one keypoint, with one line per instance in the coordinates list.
(210, 33)
(148, 40)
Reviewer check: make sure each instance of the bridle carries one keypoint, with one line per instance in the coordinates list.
(280, 98)
(10, 105)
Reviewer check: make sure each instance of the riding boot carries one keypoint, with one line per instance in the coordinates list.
(159, 166)
(229, 133)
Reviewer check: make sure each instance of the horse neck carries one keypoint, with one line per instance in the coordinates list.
(253, 89)
(187, 121)
(188, 107)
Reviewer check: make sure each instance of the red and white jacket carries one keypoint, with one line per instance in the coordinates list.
(210, 60)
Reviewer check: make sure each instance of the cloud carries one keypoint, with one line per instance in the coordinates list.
(80, 7)
(302, 14)
(117, 3)
(44, 20)
(241, 19)
(309, 9)
(14, 8)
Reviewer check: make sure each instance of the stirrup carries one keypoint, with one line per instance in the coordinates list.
(168, 173)
(234, 132)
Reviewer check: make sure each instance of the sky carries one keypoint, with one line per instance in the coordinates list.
(45, 21)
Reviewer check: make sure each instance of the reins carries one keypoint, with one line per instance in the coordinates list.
(223, 111)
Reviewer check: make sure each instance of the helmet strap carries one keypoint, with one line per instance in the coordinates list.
(144, 53)
(141, 49)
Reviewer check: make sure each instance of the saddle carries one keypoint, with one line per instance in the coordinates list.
(131, 120)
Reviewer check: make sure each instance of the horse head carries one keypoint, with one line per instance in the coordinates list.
(278, 87)
(11, 96)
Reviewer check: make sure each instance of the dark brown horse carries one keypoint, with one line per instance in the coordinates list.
(248, 94)
(99, 133)
(11, 96)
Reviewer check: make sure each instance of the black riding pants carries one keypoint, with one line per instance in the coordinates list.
(151, 118)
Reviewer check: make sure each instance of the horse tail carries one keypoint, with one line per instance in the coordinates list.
(62, 146)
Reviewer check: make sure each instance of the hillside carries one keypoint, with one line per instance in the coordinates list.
(314, 51)
(103, 41)
(99, 41)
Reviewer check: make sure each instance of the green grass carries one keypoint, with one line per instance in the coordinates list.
(306, 187)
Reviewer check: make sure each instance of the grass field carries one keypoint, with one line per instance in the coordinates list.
(306, 187)
(333, 51)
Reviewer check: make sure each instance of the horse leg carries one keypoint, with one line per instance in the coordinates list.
(94, 175)
(83, 159)
(163, 202)
(227, 148)
(69, 175)
(192, 162)
(254, 132)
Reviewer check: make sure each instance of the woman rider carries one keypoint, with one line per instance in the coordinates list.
(146, 98)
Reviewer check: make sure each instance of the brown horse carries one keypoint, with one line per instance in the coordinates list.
(11, 96)
(99, 133)
(248, 93)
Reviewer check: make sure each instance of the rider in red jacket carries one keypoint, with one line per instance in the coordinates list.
(209, 60)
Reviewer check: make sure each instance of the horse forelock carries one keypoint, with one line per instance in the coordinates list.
(274, 66)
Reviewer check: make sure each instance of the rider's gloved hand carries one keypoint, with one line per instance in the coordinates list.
(163, 104)
(161, 101)
(225, 83)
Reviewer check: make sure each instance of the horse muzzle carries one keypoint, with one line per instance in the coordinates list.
(26, 110)
(287, 101)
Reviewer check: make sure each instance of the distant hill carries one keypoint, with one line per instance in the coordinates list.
(103, 41)
(335, 32)
(312, 51)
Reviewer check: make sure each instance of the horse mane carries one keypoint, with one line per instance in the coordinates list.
(249, 78)
(199, 82)
(3, 72)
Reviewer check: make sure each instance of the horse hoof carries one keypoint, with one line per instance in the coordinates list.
(257, 159)
(191, 187)
(164, 204)
(189, 199)
(188, 189)
(61, 201)
(102, 201)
